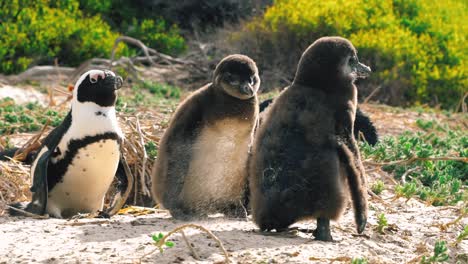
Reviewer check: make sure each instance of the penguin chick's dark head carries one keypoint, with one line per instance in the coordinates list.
(330, 60)
(237, 75)
(97, 86)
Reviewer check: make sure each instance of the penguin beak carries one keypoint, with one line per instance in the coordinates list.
(118, 82)
(247, 89)
(363, 70)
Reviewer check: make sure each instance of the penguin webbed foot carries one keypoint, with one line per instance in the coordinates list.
(98, 214)
(103, 214)
(322, 232)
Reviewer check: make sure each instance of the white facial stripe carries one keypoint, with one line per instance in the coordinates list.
(90, 73)
(94, 76)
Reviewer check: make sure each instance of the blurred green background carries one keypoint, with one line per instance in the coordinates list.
(417, 49)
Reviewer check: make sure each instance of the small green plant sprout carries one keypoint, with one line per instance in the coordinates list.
(160, 241)
(382, 223)
(440, 254)
(377, 187)
(359, 261)
(157, 238)
(462, 236)
(406, 190)
(425, 125)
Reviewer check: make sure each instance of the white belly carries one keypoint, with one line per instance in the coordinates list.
(86, 180)
(217, 171)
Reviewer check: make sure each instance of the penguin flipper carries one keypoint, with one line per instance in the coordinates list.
(40, 185)
(364, 125)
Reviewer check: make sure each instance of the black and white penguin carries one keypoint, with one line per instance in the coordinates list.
(77, 161)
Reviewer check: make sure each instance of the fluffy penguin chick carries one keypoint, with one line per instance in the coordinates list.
(202, 162)
(78, 159)
(305, 159)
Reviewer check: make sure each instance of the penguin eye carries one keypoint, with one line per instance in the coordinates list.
(231, 79)
(353, 60)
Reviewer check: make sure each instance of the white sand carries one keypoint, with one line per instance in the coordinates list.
(126, 238)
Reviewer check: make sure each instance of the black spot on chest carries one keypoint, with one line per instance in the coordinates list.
(99, 113)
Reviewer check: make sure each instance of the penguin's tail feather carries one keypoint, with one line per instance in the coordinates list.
(23, 208)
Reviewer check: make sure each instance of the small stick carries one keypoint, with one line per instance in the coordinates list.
(194, 253)
(144, 188)
(161, 242)
(372, 94)
(413, 159)
(28, 213)
(403, 177)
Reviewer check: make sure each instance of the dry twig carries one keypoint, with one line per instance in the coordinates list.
(162, 241)
(413, 159)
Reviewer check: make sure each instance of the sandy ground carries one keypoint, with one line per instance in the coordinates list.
(126, 239)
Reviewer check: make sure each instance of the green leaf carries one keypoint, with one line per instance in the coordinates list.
(169, 244)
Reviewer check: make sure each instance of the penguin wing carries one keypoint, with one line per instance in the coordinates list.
(40, 178)
(39, 187)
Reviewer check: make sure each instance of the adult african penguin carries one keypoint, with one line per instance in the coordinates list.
(78, 160)
(202, 163)
(305, 160)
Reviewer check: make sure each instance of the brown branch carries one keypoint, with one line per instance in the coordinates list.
(32, 144)
(462, 105)
(28, 213)
(194, 253)
(144, 188)
(135, 42)
(372, 94)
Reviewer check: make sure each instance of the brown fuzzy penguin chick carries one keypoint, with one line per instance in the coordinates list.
(305, 160)
(202, 163)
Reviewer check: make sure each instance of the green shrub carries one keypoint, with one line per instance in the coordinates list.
(25, 118)
(39, 31)
(158, 35)
(417, 49)
(438, 182)
(139, 20)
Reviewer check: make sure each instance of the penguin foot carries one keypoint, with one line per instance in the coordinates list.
(102, 214)
(322, 232)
